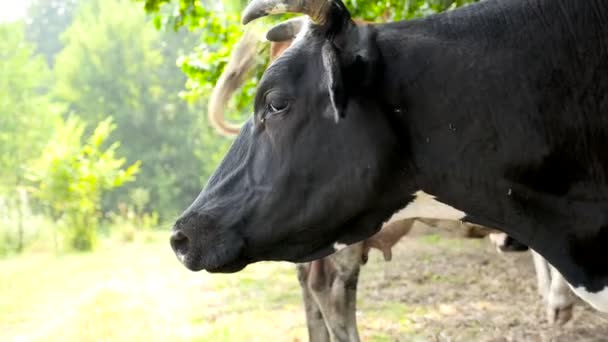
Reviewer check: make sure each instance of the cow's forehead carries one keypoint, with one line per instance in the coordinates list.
(299, 41)
(291, 64)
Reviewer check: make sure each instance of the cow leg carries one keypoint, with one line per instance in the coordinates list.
(334, 285)
(543, 275)
(345, 287)
(554, 290)
(317, 331)
(560, 301)
(504, 243)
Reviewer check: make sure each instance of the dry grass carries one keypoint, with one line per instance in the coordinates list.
(439, 288)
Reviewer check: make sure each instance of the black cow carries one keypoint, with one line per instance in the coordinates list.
(498, 109)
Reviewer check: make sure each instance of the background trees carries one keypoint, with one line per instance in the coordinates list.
(26, 114)
(46, 21)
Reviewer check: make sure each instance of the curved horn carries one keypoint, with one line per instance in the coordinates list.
(242, 60)
(317, 10)
(286, 30)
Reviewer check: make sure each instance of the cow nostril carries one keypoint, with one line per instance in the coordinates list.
(180, 243)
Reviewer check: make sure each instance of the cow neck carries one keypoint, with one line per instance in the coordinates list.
(454, 135)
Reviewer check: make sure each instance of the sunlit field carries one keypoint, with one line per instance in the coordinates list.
(140, 292)
(437, 288)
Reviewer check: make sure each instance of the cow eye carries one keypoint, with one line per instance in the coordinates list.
(276, 103)
(277, 106)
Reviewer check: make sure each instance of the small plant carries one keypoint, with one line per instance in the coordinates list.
(130, 220)
(72, 175)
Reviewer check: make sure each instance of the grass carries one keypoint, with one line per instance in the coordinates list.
(436, 288)
(139, 292)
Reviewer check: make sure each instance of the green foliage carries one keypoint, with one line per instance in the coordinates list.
(47, 20)
(114, 61)
(220, 30)
(72, 175)
(25, 110)
(133, 218)
(190, 13)
(207, 62)
(395, 10)
(107, 61)
(26, 114)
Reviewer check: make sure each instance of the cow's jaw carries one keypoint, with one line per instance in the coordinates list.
(231, 267)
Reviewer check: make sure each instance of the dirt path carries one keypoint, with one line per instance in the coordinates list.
(450, 289)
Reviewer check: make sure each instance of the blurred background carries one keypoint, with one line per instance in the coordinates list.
(104, 140)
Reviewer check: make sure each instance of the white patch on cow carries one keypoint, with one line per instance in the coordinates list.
(543, 274)
(332, 97)
(339, 246)
(426, 206)
(599, 300)
(498, 240)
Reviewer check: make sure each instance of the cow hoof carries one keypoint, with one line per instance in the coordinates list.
(388, 254)
(560, 315)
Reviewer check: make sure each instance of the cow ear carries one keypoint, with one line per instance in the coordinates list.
(359, 54)
(335, 83)
(350, 58)
(286, 30)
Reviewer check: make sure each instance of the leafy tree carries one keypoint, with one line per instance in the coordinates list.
(72, 175)
(107, 63)
(115, 62)
(189, 13)
(221, 29)
(47, 20)
(24, 106)
(26, 112)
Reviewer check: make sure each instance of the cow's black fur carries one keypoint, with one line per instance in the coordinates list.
(500, 109)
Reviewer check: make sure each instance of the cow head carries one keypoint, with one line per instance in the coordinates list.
(315, 164)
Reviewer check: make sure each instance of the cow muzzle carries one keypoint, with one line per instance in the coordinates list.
(200, 245)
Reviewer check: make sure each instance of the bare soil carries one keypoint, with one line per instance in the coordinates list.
(441, 287)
